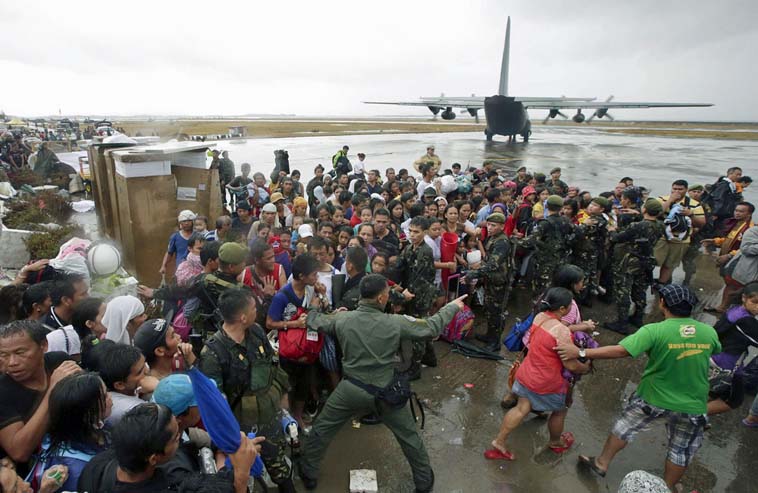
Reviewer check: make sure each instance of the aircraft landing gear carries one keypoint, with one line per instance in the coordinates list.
(488, 135)
(527, 132)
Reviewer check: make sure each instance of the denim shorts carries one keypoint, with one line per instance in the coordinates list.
(540, 402)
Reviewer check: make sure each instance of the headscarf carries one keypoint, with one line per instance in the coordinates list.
(119, 311)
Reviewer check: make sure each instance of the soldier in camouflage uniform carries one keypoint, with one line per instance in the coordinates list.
(494, 271)
(589, 251)
(414, 270)
(201, 297)
(551, 239)
(633, 264)
(240, 360)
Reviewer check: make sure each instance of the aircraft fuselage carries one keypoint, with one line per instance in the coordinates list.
(506, 116)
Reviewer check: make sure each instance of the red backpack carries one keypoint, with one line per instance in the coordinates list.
(300, 345)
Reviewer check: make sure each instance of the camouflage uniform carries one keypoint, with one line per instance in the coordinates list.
(559, 187)
(551, 239)
(494, 271)
(207, 288)
(253, 385)
(415, 271)
(589, 252)
(633, 264)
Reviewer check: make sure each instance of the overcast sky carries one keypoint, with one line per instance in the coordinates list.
(324, 58)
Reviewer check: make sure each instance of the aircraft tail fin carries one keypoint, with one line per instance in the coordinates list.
(503, 88)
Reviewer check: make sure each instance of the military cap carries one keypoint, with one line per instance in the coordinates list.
(697, 187)
(555, 201)
(496, 218)
(232, 253)
(653, 207)
(430, 192)
(555, 170)
(601, 201)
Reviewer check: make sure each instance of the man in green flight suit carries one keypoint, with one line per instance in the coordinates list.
(370, 339)
(240, 360)
(494, 271)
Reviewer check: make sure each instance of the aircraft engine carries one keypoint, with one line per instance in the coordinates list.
(448, 114)
(579, 117)
(434, 109)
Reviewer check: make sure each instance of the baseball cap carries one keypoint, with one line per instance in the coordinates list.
(151, 335)
(232, 253)
(269, 208)
(186, 215)
(276, 197)
(528, 190)
(175, 392)
(305, 231)
(674, 294)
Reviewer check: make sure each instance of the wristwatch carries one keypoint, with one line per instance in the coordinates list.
(582, 355)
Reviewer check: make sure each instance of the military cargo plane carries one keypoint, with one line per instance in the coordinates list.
(507, 115)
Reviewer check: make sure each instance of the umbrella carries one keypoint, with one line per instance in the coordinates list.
(218, 418)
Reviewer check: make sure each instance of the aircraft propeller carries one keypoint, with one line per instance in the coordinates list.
(602, 112)
(553, 113)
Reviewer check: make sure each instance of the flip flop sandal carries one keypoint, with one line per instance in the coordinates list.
(750, 424)
(495, 454)
(568, 440)
(589, 462)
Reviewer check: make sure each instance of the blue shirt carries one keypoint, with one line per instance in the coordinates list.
(483, 214)
(177, 244)
(281, 308)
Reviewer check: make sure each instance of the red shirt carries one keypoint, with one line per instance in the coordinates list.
(541, 370)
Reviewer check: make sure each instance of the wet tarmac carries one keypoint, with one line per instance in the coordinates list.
(461, 421)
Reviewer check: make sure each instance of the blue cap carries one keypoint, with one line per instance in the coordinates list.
(674, 294)
(175, 392)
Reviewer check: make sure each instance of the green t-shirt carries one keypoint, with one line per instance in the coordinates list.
(676, 375)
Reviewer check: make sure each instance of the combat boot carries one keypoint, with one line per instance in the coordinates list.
(620, 326)
(309, 483)
(430, 357)
(637, 319)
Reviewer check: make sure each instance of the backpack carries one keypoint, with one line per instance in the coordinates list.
(44, 461)
(452, 331)
(301, 345)
(513, 341)
(678, 225)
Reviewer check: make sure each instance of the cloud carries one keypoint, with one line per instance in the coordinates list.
(324, 58)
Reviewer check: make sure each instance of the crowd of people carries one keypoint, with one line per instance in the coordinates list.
(307, 304)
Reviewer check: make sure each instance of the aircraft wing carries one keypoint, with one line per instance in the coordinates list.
(477, 102)
(591, 105)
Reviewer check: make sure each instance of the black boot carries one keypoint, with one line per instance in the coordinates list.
(309, 483)
(637, 318)
(287, 486)
(620, 326)
(430, 357)
(429, 489)
(485, 338)
(370, 419)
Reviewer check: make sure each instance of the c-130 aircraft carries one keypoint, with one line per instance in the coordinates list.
(507, 115)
